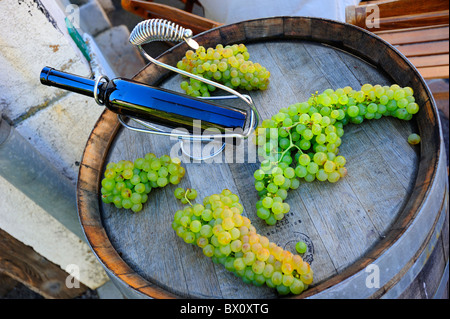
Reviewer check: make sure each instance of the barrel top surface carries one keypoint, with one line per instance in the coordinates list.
(343, 224)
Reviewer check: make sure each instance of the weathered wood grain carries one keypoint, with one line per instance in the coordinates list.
(24, 265)
(6, 284)
(346, 225)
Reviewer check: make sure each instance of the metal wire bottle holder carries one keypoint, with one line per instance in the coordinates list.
(163, 30)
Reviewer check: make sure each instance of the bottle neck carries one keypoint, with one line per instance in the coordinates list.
(67, 81)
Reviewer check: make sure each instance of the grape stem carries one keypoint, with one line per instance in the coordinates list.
(185, 196)
(288, 129)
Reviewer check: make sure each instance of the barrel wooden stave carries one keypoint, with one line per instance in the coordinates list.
(180, 269)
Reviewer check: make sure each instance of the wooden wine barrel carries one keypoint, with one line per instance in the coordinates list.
(370, 235)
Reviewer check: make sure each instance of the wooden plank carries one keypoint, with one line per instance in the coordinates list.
(150, 10)
(410, 7)
(432, 60)
(434, 72)
(421, 49)
(396, 37)
(399, 14)
(23, 264)
(417, 20)
(439, 88)
(6, 284)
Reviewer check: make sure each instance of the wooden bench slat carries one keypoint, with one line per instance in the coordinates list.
(395, 8)
(399, 14)
(425, 48)
(427, 61)
(148, 10)
(23, 264)
(434, 72)
(406, 21)
(398, 37)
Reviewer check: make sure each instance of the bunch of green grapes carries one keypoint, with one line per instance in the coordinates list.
(370, 102)
(302, 141)
(127, 184)
(219, 229)
(228, 65)
(296, 143)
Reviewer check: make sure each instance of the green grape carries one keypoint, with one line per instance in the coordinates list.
(267, 202)
(301, 171)
(333, 177)
(279, 180)
(319, 158)
(127, 203)
(206, 230)
(137, 207)
(195, 226)
(296, 287)
(135, 179)
(162, 181)
(272, 188)
(412, 108)
(277, 208)
(126, 193)
(144, 198)
(127, 173)
(108, 184)
(402, 103)
(277, 278)
(191, 194)
(321, 175)
(353, 111)
(312, 168)
(179, 193)
(329, 166)
(259, 174)
(136, 198)
(414, 139)
(117, 200)
(301, 247)
(289, 172)
(110, 173)
(263, 213)
(189, 237)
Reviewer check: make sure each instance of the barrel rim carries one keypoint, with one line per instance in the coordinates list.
(107, 127)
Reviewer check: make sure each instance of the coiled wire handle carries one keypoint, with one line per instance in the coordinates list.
(158, 30)
(163, 30)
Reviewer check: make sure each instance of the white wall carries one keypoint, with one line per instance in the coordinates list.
(57, 123)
